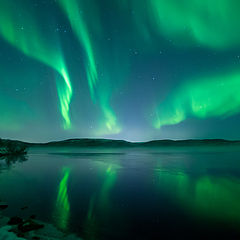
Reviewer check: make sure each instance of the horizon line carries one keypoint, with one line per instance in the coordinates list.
(127, 141)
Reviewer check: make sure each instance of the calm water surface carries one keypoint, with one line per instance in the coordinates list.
(128, 193)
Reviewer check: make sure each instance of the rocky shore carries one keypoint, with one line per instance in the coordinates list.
(30, 228)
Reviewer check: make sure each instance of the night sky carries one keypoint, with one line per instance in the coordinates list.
(122, 69)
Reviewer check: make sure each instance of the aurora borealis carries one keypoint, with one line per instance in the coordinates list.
(214, 97)
(123, 69)
(28, 39)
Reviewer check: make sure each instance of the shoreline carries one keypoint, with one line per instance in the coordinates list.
(18, 228)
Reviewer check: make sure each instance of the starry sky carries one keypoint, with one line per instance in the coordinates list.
(124, 69)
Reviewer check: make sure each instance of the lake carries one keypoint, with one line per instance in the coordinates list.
(148, 193)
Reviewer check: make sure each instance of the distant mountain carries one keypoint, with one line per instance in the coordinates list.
(87, 142)
(191, 142)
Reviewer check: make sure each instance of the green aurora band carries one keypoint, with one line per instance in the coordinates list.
(202, 98)
(209, 197)
(72, 10)
(110, 180)
(62, 205)
(30, 40)
(98, 94)
(204, 23)
(100, 201)
(212, 23)
(209, 24)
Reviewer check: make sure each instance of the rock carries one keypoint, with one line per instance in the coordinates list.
(49, 232)
(72, 237)
(3, 206)
(21, 235)
(15, 221)
(3, 221)
(5, 234)
(25, 207)
(29, 225)
(33, 216)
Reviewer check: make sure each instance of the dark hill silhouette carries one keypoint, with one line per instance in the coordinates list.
(88, 142)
